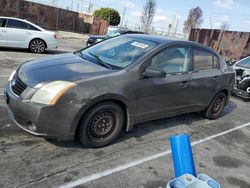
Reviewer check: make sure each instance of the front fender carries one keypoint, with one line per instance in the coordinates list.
(87, 104)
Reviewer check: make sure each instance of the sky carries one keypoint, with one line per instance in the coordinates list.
(215, 12)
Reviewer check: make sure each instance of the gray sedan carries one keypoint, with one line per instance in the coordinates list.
(98, 92)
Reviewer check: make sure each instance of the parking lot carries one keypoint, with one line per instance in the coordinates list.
(140, 158)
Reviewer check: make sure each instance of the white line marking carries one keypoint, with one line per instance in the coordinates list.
(140, 161)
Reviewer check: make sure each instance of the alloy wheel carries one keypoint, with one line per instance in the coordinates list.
(37, 46)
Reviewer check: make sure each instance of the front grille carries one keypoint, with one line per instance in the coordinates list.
(17, 86)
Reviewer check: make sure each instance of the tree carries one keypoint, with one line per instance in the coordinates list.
(194, 20)
(224, 26)
(148, 14)
(109, 14)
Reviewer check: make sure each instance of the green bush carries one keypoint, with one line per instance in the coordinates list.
(108, 14)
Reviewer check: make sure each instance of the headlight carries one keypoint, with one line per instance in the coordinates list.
(51, 92)
(98, 40)
(12, 75)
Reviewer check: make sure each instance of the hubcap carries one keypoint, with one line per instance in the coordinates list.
(218, 105)
(37, 46)
(102, 125)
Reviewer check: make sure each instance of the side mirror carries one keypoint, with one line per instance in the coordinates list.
(232, 61)
(152, 72)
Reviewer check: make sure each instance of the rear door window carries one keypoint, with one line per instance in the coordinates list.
(17, 24)
(2, 22)
(204, 60)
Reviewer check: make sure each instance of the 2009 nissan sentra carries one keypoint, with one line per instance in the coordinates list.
(98, 92)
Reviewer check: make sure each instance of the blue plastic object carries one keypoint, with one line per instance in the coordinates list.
(189, 181)
(182, 155)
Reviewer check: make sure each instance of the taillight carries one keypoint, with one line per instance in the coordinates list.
(55, 36)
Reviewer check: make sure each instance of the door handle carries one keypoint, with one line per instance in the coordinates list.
(183, 84)
(3, 31)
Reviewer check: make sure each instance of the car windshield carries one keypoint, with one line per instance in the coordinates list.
(244, 63)
(119, 52)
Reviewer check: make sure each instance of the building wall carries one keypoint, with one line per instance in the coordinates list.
(50, 17)
(230, 44)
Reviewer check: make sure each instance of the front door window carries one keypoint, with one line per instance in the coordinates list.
(172, 60)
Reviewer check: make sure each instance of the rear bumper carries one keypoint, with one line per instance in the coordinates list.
(52, 45)
(46, 121)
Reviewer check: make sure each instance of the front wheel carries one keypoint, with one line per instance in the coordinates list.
(101, 125)
(37, 46)
(216, 106)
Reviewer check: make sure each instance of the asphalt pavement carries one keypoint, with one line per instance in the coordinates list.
(141, 158)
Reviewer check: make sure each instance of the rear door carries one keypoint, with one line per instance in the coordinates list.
(206, 76)
(3, 33)
(18, 33)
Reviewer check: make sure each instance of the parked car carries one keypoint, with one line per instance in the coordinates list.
(17, 33)
(112, 33)
(242, 86)
(99, 91)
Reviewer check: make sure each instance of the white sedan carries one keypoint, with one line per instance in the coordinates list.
(18, 33)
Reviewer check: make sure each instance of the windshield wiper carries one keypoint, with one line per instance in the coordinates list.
(100, 61)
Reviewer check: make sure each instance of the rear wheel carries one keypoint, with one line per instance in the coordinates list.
(216, 106)
(37, 46)
(101, 125)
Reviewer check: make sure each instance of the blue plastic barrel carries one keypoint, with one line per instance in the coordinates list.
(182, 155)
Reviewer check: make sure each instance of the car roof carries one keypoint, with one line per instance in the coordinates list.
(166, 40)
(5, 17)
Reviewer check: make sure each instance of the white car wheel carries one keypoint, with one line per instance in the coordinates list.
(37, 46)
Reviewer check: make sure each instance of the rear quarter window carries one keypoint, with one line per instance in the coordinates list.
(33, 28)
(2, 22)
(205, 60)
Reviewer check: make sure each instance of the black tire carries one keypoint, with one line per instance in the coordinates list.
(101, 125)
(37, 46)
(216, 106)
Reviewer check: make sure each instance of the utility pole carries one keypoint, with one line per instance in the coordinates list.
(169, 29)
(123, 15)
(78, 7)
(176, 27)
(18, 8)
(82, 6)
(90, 6)
(211, 26)
(72, 3)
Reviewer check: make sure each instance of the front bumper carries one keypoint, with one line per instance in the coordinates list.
(46, 121)
(241, 94)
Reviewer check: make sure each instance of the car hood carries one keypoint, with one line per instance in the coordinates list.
(64, 67)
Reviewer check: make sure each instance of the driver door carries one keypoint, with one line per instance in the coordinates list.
(160, 97)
